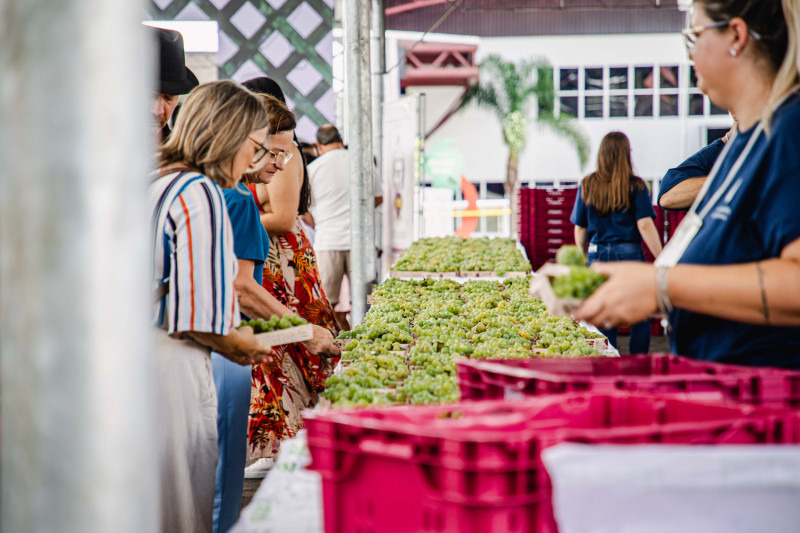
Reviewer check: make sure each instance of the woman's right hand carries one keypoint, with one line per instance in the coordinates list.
(629, 296)
(240, 346)
(322, 343)
(249, 350)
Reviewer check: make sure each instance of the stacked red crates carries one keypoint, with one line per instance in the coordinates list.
(476, 466)
(657, 373)
(661, 228)
(672, 220)
(544, 224)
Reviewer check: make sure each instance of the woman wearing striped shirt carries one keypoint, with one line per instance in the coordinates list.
(220, 133)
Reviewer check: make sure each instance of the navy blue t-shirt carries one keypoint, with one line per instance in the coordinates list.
(250, 239)
(697, 166)
(754, 221)
(616, 227)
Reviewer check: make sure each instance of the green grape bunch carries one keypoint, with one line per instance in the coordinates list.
(274, 323)
(581, 282)
(405, 350)
(570, 255)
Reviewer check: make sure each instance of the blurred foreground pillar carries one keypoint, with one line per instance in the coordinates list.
(78, 419)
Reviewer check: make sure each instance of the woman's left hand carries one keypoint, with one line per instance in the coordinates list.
(629, 296)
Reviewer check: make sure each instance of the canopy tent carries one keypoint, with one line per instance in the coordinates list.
(536, 17)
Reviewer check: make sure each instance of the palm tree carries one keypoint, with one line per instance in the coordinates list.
(508, 90)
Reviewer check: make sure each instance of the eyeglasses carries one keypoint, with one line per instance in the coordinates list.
(691, 34)
(260, 159)
(258, 156)
(280, 158)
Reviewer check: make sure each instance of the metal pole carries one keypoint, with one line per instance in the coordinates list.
(368, 154)
(78, 416)
(378, 70)
(357, 87)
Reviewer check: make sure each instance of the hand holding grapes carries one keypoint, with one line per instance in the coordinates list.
(629, 296)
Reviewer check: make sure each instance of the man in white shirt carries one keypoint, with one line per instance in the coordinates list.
(329, 177)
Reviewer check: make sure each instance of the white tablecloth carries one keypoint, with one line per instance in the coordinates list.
(289, 499)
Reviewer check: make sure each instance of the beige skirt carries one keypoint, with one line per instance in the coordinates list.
(187, 407)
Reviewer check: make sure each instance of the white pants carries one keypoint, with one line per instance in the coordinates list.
(188, 435)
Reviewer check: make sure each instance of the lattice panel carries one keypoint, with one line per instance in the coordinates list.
(287, 40)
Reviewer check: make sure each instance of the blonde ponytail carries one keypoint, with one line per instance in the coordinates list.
(788, 76)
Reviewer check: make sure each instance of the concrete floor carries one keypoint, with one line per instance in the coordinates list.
(250, 488)
(658, 344)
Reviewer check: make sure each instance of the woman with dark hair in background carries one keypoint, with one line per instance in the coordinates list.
(732, 271)
(291, 275)
(613, 209)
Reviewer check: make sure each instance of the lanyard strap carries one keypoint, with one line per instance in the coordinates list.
(736, 166)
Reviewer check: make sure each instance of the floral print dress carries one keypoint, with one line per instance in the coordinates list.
(280, 393)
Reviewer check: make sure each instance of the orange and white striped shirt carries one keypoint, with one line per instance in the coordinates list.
(192, 244)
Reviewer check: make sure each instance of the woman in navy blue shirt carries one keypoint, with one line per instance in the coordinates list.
(734, 276)
(613, 210)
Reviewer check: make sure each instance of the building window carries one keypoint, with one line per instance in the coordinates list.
(643, 90)
(593, 92)
(569, 79)
(569, 105)
(696, 98)
(568, 91)
(618, 92)
(668, 91)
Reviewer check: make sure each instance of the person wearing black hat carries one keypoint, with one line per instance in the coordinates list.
(174, 78)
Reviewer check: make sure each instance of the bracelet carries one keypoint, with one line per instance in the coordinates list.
(662, 287)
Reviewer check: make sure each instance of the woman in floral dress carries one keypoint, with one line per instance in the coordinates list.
(291, 275)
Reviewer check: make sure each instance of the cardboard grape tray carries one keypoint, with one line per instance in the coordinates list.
(287, 336)
(421, 274)
(477, 274)
(491, 274)
(542, 287)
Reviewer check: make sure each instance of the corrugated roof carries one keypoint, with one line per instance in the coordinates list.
(540, 17)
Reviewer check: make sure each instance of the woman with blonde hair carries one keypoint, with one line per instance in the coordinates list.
(614, 213)
(219, 135)
(291, 275)
(730, 277)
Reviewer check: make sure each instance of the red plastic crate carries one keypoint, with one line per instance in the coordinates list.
(641, 373)
(558, 231)
(673, 219)
(550, 242)
(476, 466)
(661, 226)
(553, 192)
(554, 201)
(545, 223)
(551, 212)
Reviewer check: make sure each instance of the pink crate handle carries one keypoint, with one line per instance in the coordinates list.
(400, 450)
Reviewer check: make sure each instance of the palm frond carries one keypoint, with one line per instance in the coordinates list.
(507, 89)
(484, 96)
(568, 128)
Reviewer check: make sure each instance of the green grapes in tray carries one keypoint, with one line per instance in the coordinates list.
(274, 323)
(570, 255)
(581, 282)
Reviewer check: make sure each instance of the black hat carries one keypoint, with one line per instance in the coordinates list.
(174, 76)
